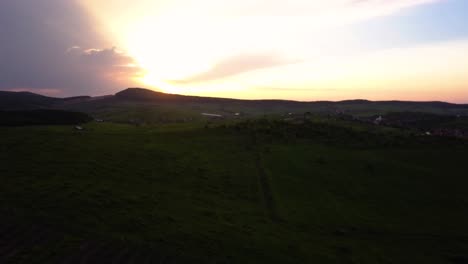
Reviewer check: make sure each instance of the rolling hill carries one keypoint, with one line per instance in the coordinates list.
(147, 106)
(25, 101)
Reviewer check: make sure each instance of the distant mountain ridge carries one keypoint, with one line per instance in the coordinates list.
(25, 101)
(140, 98)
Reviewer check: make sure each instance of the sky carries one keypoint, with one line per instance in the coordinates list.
(303, 50)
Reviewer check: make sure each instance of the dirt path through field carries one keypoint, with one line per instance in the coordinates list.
(265, 187)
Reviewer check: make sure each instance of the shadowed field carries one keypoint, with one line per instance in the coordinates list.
(250, 192)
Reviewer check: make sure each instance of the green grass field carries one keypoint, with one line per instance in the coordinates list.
(240, 193)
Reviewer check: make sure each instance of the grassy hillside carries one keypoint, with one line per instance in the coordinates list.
(259, 191)
(42, 117)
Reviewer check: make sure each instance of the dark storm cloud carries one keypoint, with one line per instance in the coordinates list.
(50, 45)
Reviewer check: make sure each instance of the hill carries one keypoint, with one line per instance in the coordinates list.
(25, 101)
(140, 94)
(147, 106)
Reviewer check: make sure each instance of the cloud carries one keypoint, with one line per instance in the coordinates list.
(110, 64)
(309, 8)
(104, 60)
(388, 3)
(235, 65)
(50, 44)
(364, 9)
(107, 57)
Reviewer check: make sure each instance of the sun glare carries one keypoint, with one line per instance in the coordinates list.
(167, 53)
(153, 81)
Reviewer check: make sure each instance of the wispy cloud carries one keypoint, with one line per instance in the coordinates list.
(103, 59)
(364, 9)
(262, 7)
(235, 65)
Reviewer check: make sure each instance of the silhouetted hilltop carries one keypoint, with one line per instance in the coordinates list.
(25, 100)
(145, 95)
(145, 101)
(141, 94)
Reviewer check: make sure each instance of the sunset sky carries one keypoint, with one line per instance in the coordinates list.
(297, 49)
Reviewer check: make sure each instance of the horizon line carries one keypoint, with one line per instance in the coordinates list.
(232, 98)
